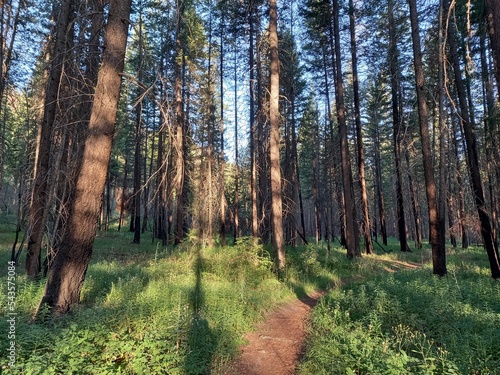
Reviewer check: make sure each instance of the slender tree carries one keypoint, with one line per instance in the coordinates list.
(397, 128)
(274, 118)
(41, 186)
(359, 134)
(436, 224)
(351, 228)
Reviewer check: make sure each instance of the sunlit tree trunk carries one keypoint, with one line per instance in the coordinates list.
(414, 202)
(236, 213)
(66, 277)
(274, 118)
(180, 171)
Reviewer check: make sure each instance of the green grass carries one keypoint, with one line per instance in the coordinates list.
(410, 322)
(184, 310)
(147, 309)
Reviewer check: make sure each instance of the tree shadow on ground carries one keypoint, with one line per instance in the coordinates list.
(201, 340)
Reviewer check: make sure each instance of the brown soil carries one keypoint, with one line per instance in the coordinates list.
(276, 345)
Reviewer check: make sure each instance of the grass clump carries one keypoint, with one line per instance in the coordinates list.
(409, 322)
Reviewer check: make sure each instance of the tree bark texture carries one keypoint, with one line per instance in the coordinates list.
(397, 131)
(67, 274)
(351, 228)
(41, 189)
(274, 117)
(437, 242)
(359, 135)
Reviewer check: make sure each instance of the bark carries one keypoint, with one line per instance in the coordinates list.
(351, 228)
(414, 203)
(379, 189)
(180, 172)
(137, 172)
(274, 118)
(359, 135)
(461, 196)
(473, 159)
(397, 131)
(253, 152)
(236, 160)
(222, 230)
(41, 189)
(315, 183)
(491, 132)
(67, 274)
(436, 224)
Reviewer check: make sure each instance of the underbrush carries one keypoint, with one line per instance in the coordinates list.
(410, 322)
(147, 309)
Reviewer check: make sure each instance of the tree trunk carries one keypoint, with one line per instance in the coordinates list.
(397, 132)
(236, 159)
(253, 151)
(41, 189)
(359, 135)
(274, 118)
(222, 229)
(137, 172)
(379, 189)
(414, 202)
(67, 274)
(180, 172)
(473, 159)
(436, 224)
(351, 228)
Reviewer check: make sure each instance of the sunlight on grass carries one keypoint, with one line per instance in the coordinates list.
(409, 322)
(152, 309)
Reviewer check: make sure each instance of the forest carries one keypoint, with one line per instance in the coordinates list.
(290, 140)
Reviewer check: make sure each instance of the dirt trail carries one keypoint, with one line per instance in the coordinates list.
(275, 347)
(277, 343)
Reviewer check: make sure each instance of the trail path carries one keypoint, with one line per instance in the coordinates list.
(276, 345)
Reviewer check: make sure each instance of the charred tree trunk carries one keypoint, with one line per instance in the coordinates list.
(473, 159)
(436, 224)
(397, 131)
(41, 188)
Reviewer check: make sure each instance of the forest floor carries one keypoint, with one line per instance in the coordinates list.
(276, 345)
(274, 348)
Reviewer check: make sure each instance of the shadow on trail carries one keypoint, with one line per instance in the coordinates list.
(201, 341)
